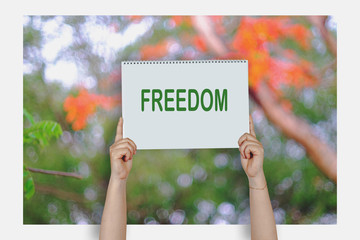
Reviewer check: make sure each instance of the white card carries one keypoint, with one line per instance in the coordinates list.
(185, 104)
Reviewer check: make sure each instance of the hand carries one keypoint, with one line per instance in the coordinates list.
(252, 156)
(121, 154)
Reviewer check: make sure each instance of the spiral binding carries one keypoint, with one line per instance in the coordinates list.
(183, 61)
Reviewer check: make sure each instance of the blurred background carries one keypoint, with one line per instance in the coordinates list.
(72, 102)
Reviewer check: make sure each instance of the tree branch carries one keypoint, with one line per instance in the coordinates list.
(58, 173)
(319, 22)
(204, 26)
(61, 194)
(322, 155)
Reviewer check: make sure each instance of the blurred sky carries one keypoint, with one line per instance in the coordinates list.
(58, 36)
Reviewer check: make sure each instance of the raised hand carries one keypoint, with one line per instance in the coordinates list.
(252, 153)
(121, 154)
(261, 214)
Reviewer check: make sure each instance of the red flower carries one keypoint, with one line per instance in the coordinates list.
(81, 107)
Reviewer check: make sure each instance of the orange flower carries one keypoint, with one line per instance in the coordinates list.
(135, 19)
(300, 35)
(297, 75)
(84, 105)
(199, 43)
(151, 52)
(179, 20)
(253, 40)
(259, 63)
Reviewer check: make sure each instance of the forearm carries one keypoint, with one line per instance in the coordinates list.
(113, 222)
(261, 213)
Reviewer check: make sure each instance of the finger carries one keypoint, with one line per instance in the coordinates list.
(251, 126)
(122, 154)
(133, 144)
(252, 148)
(245, 144)
(244, 162)
(241, 149)
(124, 144)
(245, 137)
(128, 155)
(242, 156)
(119, 130)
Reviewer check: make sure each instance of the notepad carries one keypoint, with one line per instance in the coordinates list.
(185, 104)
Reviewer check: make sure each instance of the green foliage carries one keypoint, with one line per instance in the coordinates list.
(29, 117)
(32, 37)
(29, 187)
(41, 133)
(300, 193)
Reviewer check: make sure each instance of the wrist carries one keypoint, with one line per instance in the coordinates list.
(258, 181)
(117, 180)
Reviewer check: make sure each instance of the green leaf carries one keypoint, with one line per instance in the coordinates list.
(29, 187)
(42, 132)
(28, 116)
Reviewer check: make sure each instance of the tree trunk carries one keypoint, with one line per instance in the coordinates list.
(322, 155)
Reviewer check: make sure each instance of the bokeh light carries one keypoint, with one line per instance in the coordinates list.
(76, 60)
